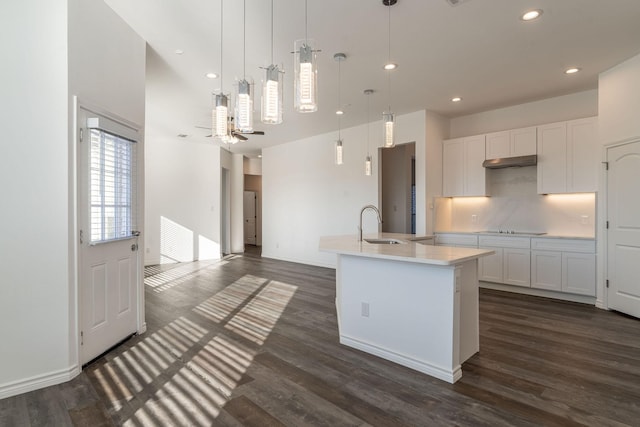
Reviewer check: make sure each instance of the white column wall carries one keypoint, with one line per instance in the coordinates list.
(305, 195)
(55, 50)
(237, 203)
(34, 168)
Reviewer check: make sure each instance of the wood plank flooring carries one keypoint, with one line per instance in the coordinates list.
(254, 342)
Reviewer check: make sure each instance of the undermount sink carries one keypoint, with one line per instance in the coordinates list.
(384, 241)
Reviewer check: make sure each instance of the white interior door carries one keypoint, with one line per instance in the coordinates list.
(250, 217)
(623, 239)
(109, 264)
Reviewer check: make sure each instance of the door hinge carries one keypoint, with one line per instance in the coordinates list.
(81, 134)
(81, 338)
(81, 240)
(607, 225)
(606, 165)
(607, 282)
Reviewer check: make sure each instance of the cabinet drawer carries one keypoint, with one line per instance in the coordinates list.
(504, 242)
(457, 239)
(564, 245)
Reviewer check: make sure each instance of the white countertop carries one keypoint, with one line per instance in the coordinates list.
(409, 250)
(531, 235)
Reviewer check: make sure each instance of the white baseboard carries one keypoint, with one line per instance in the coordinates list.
(539, 292)
(38, 382)
(450, 376)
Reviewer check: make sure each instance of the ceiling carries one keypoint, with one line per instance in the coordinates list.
(479, 50)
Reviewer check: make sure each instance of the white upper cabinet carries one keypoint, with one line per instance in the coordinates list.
(582, 155)
(462, 170)
(511, 143)
(567, 157)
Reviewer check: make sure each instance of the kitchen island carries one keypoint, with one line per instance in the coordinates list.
(413, 304)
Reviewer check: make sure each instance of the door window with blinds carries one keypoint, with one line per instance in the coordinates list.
(112, 186)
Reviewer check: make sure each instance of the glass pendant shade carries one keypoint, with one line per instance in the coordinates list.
(220, 117)
(272, 96)
(244, 107)
(339, 157)
(367, 166)
(389, 120)
(306, 74)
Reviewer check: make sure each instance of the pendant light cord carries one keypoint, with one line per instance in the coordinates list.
(389, 71)
(305, 22)
(271, 31)
(339, 74)
(221, 46)
(368, 136)
(244, 39)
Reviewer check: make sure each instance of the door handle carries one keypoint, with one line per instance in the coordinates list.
(134, 247)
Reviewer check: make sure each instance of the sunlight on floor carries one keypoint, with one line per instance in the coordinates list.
(193, 370)
(167, 279)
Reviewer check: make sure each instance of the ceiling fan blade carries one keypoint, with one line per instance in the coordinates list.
(258, 132)
(240, 136)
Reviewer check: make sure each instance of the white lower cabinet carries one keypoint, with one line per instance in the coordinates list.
(462, 240)
(511, 262)
(564, 265)
(517, 267)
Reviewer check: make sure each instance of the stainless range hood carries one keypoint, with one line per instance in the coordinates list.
(511, 162)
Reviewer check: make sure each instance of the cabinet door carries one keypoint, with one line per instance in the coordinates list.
(497, 145)
(546, 270)
(523, 142)
(552, 158)
(490, 267)
(453, 167)
(582, 155)
(475, 175)
(517, 267)
(579, 273)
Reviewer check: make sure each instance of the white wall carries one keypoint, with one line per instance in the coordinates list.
(305, 195)
(568, 107)
(437, 130)
(50, 47)
(237, 204)
(619, 102)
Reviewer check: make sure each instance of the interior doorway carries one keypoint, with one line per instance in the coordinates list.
(398, 184)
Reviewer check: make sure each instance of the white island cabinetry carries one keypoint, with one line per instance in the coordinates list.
(416, 305)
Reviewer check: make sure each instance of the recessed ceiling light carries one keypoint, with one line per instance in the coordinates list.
(571, 70)
(530, 15)
(456, 99)
(390, 66)
(178, 51)
(211, 75)
(339, 112)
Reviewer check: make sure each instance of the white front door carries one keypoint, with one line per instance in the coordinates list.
(109, 264)
(250, 217)
(623, 212)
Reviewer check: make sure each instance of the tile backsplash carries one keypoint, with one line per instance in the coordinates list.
(515, 205)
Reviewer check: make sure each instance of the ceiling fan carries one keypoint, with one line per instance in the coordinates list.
(234, 132)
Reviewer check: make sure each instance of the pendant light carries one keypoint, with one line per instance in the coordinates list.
(306, 72)
(388, 117)
(367, 160)
(244, 95)
(339, 154)
(271, 112)
(220, 113)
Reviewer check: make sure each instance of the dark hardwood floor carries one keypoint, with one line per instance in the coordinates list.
(254, 342)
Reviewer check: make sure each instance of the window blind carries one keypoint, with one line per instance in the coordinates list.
(112, 186)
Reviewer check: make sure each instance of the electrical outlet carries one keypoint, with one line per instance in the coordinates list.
(365, 309)
(584, 219)
(474, 219)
